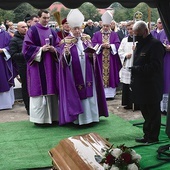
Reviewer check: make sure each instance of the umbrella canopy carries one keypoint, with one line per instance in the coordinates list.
(41, 4)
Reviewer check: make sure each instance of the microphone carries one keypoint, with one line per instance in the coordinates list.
(51, 39)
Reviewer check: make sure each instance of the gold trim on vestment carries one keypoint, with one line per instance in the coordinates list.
(106, 60)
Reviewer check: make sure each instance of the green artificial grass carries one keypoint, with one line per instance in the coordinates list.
(149, 153)
(23, 145)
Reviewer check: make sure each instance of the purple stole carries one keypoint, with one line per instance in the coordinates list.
(84, 89)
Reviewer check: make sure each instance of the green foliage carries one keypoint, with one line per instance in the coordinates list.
(89, 11)
(22, 10)
(124, 14)
(6, 15)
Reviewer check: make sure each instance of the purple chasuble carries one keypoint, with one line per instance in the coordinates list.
(42, 77)
(6, 68)
(73, 89)
(155, 34)
(115, 63)
(164, 39)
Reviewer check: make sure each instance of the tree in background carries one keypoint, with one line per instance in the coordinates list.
(22, 10)
(123, 14)
(89, 11)
(6, 15)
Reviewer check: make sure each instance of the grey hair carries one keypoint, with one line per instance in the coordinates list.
(140, 25)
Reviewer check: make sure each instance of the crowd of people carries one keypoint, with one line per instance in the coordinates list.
(67, 74)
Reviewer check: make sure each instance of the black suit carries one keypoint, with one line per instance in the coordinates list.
(18, 58)
(122, 33)
(147, 83)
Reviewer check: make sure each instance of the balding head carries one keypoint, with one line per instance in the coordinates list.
(22, 27)
(140, 29)
(140, 26)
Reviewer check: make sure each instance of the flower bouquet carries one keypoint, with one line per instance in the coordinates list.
(120, 158)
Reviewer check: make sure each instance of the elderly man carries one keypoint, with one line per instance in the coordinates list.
(107, 53)
(40, 50)
(6, 72)
(90, 29)
(19, 60)
(80, 83)
(147, 81)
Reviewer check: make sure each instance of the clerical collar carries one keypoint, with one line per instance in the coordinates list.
(158, 30)
(130, 39)
(103, 32)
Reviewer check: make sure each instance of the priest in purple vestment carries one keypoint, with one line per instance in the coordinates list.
(107, 54)
(41, 51)
(158, 29)
(164, 39)
(82, 98)
(65, 31)
(6, 72)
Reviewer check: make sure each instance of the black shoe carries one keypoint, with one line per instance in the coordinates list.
(28, 113)
(128, 107)
(164, 112)
(152, 141)
(141, 140)
(43, 124)
(110, 98)
(145, 141)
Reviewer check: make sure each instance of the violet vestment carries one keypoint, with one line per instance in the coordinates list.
(6, 72)
(108, 58)
(163, 38)
(42, 76)
(42, 73)
(80, 79)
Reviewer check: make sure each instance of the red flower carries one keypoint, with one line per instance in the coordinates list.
(110, 159)
(127, 157)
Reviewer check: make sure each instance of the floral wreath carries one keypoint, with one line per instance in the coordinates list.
(120, 158)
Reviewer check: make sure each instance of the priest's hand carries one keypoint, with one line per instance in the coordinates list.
(167, 47)
(128, 56)
(106, 45)
(52, 49)
(46, 48)
(1, 51)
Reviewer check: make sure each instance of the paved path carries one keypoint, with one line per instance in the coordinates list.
(18, 112)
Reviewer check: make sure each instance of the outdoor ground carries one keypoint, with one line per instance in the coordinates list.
(18, 112)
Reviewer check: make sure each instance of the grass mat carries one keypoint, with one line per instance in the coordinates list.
(149, 153)
(23, 145)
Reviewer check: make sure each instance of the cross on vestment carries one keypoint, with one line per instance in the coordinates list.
(81, 55)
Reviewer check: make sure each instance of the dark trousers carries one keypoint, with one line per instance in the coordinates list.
(23, 75)
(126, 95)
(152, 116)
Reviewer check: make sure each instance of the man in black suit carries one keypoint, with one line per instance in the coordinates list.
(147, 81)
(122, 32)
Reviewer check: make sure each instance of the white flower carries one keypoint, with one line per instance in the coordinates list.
(114, 168)
(132, 167)
(116, 152)
(135, 156)
(106, 166)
